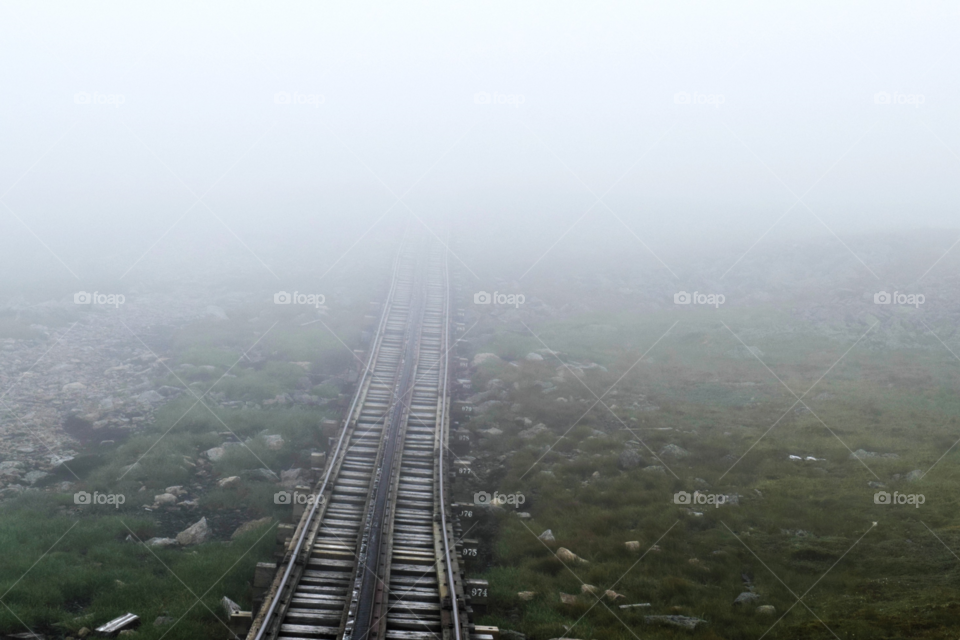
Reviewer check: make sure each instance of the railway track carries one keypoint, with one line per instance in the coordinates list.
(374, 555)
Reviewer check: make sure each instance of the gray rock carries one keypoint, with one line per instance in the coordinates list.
(163, 620)
(33, 477)
(674, 451)
(149, 397)
(481, 358)
(162, 542)
(215, 453)
(273, 442)
(196, 533)
(629, 459)
(747, 597)
(916, 474)
(533, 357)
(547, 536)
(534, 431)
(684, 622)
(229, 482)
(165, 499)
(655, 468)
(767, 610)
(292, 478)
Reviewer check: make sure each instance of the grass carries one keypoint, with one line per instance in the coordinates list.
(800, 528)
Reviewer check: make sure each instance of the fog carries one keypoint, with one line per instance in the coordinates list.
(136, 137)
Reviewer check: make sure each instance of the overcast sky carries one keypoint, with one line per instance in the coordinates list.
(316, 123)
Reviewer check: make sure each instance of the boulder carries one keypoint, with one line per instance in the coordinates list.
(480, 358)
(628, 459)
(674, 451)
(149, 397)
(565, 555)
(588, 588)
(632, 545)
(165, 499)
(273, 442)
(747, 597)
(161, 542)
(613, 595)
(231, 482)
(547, 536)
(567, 598)
(534, 431)
(684, 622)
(196, 533)
(292, 478)
(214, 454)
(767, 610)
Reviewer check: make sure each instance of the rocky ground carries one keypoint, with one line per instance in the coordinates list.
(87, 377)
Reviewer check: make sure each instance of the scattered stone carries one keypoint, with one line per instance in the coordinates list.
(567, 598)
(526, 596)
(628, 459)
(565, 555)
(523, 515)
(674, 451)
(534, 431)
(767, 610)
(74, 386)
(916, 474)
(231, 482)
(162, 542)
(480, 358)
(273, 442)
(747, 597)
(292, 478)
(655, 468)
(684, 622)
(547, 536)
(196, 533)
(150, 397)
(163, 620)
(32, 477)
(164, 499)
(873, 484)
(632, 545)
(214, 454)
(533, 357)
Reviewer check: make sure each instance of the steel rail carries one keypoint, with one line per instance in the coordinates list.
(265, 625)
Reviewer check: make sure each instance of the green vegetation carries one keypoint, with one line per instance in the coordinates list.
(800, 525)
